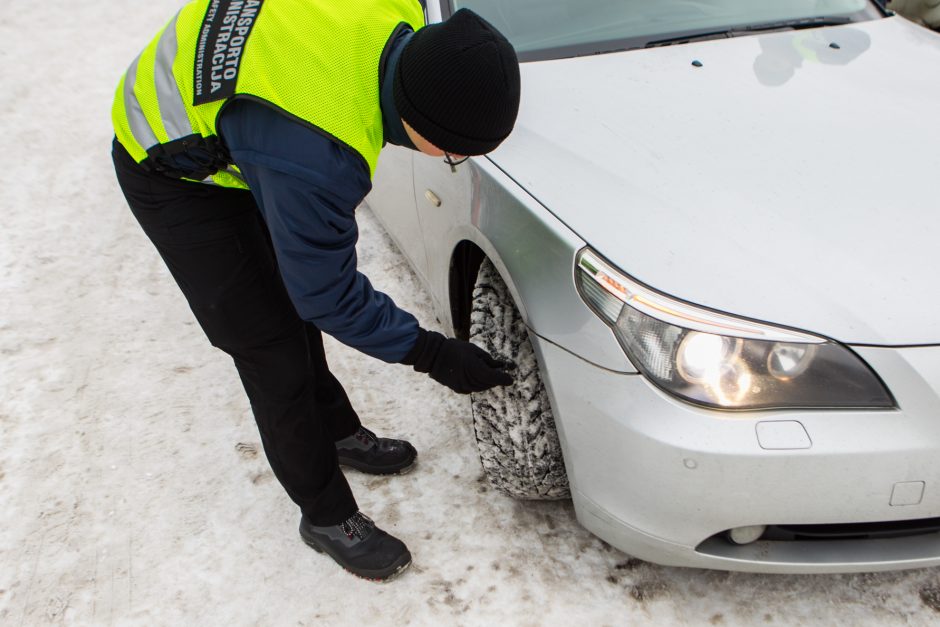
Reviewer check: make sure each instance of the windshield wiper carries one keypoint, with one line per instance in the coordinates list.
(795, 24)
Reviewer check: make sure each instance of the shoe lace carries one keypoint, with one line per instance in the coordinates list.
(366, 437)
(357, 525)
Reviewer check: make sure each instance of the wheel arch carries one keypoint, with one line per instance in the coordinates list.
(465, 261)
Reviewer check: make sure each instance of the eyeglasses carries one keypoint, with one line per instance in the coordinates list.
(453, 163)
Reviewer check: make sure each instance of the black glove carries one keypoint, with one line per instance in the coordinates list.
(461, 366)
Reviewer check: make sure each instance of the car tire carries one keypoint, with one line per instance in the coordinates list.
(514, 426)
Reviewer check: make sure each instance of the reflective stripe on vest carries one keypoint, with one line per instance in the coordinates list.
(168, 121)
(246, 43)
(172, 109)
(140, 127)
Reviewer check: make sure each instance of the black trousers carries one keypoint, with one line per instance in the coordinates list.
(218, 249)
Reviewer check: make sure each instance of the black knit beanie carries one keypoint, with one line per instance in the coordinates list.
(457, 84)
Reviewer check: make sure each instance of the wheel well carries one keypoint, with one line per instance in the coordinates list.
(464, 265)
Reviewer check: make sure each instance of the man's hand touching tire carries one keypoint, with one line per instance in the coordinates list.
(461, 366)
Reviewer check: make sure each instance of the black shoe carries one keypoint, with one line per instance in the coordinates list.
(359, 546)
(378, 456)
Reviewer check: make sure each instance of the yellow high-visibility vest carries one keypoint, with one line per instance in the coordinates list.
(315, 60)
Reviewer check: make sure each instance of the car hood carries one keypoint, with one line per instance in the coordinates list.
(791, 178)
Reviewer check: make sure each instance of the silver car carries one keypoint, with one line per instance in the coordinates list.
(711, 246)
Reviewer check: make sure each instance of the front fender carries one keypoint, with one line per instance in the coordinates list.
(534, 253)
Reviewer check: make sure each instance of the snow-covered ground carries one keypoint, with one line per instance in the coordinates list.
(132, 484)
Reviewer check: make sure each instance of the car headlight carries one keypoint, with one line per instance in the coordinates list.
(716, 360)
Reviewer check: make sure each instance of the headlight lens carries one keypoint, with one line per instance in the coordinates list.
(720, 361)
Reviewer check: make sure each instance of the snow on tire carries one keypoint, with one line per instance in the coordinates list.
(514, 426)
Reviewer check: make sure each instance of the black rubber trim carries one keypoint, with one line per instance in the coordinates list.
(613, 45)
(853, 531)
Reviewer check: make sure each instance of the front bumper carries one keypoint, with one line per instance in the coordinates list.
(662, 480)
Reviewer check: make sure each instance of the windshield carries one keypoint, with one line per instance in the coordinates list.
(545, 29)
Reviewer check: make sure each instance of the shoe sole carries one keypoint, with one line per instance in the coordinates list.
(383, 576)
(372, 470)
(402, 468)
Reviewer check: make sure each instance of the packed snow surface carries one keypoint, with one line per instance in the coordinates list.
(132, 483)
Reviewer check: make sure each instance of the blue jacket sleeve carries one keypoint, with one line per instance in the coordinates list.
(308, 188)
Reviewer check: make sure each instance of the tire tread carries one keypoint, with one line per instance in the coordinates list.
(514, 425)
